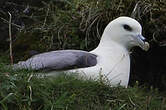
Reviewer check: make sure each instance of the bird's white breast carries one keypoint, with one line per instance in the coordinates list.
(113, 66)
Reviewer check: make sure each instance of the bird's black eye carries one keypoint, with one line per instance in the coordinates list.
(127, 27)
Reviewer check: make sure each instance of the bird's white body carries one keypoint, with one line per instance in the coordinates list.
(113, 59)
(113, 65)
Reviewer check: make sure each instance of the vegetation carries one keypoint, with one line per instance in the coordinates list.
(23, 90)
(65, 24)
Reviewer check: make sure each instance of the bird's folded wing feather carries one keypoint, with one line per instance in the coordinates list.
(59, 60)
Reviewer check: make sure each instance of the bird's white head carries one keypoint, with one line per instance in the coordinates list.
(125, 31)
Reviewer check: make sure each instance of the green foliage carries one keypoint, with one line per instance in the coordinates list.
(23, 90)
(79, 24)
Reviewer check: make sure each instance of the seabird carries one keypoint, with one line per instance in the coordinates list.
(110, 60)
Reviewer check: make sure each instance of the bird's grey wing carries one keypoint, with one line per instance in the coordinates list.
(59, 60)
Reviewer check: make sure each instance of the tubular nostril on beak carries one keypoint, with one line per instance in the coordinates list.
(141, 37)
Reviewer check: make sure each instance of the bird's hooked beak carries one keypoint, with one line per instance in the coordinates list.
(142, 43)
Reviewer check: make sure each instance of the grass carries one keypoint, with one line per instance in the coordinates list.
(79, 24)
(22, 90)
